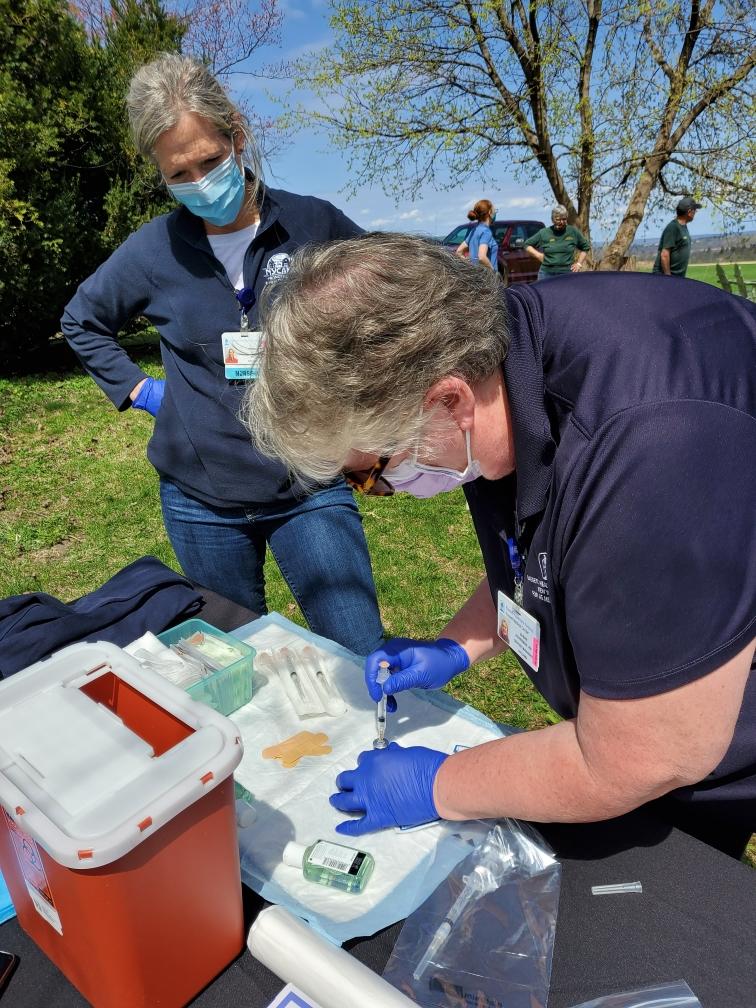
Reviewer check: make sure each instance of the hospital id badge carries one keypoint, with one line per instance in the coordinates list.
(519, 630)
(241, 354)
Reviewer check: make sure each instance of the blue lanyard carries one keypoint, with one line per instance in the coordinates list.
(246, 298)
(517, 569)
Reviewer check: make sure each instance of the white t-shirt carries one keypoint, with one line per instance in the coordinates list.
(230, 250)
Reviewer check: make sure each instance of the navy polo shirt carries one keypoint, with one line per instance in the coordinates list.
(634, 496)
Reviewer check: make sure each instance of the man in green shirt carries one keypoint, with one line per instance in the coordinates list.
(554, 247)
(674, 244)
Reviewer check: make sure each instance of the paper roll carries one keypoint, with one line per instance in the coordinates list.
(324, 972)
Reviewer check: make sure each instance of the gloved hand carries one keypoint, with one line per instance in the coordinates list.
(392, 787)
(427, 664)
(150, 396)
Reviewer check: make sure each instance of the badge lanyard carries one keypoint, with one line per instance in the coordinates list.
(246, 299)
(515, 561)
(516, 627)
(241, 349)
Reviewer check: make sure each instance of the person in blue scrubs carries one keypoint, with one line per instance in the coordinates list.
(605, 436)
(480, 246)
(197, 274)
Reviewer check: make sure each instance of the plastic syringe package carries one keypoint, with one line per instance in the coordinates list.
(499, 948)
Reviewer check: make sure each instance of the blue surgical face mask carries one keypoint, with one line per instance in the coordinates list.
(412, 477)
(493, 216)
(217, 197)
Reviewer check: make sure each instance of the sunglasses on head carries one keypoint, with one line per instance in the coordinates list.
(370, 481)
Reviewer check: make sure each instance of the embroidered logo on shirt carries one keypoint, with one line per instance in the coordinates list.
(277, 266)
(539, 587)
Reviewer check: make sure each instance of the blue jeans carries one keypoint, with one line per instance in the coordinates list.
(318, 544)
(542, 275)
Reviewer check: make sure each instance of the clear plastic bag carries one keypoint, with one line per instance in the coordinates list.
(675, 994)
(485, 937)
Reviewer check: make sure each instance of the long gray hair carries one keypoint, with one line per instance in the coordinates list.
(355, 335)
(161, 91)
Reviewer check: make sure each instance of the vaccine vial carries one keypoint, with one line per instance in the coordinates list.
(331, 864)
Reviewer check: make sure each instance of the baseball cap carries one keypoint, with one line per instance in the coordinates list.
(688, 203)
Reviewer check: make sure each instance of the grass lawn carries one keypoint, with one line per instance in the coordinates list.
(707, 272)
(78, 501)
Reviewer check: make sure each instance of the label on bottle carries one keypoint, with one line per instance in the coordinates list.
(335, 857)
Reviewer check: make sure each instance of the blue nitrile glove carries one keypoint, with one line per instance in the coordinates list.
(425, 664)
(392, 787)
(150, 396)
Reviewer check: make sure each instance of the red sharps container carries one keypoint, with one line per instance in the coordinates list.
(117, 827)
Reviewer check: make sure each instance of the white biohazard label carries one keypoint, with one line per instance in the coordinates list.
(35, 876)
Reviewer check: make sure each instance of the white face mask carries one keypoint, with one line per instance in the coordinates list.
(412, 477)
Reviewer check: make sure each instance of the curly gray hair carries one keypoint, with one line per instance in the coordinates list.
(355, 335)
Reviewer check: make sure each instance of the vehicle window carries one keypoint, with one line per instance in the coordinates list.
(500, 230)
(531, 227)
(458, 235)
(522, 231)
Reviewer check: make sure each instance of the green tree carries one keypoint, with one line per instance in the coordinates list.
(48, 167)
(69, 188)
(623, 105)
(132, 33)
(227, 35)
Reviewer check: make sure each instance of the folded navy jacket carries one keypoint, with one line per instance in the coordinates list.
(144, 596)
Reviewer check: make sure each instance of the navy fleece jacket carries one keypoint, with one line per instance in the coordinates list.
(166, 272)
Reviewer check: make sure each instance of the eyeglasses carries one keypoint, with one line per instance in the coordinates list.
(371, 481)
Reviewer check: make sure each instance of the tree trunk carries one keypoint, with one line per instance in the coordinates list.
(614, 253)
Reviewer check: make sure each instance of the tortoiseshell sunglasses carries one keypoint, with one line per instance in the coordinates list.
(370, 481)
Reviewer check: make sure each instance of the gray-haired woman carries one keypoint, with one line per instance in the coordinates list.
(196, 274)
(555, 247)
(601, 431)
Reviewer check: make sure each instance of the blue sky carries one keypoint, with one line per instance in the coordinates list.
(309, 166)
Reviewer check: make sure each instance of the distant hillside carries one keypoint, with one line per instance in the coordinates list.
(704, 248)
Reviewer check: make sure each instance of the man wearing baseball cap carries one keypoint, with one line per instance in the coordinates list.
(674, 245)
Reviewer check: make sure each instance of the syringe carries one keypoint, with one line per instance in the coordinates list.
(475, 885)
(379, 742)
(288, 658)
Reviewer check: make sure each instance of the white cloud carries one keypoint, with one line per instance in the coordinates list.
(413, 215)
(289, 10)
(523, 202)
(380, 222)
(308, 48)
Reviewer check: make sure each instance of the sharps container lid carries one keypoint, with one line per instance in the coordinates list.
(97, 753)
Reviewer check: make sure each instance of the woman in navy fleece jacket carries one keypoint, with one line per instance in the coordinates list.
(223, 501)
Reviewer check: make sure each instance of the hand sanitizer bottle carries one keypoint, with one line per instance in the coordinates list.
(331, 864)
